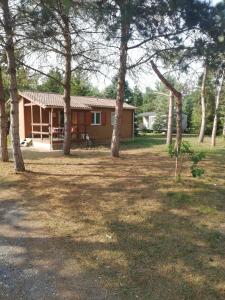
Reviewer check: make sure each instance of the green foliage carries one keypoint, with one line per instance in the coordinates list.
(186, 152)
(66, 6)
(192, 106)
(210, 105)
(136, 97)
(149, 100)
(195, 158)
(80, 86)
(160, 122)
(157, 99)
(111, 91)
(188, 109)
(52, 84)
(25, 81)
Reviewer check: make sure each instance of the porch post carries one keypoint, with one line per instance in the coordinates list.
(51, 125)
(85, 125)
(32, 127)
(78, 127)
(41, 122)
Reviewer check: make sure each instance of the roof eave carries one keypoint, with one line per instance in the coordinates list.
(31, 100)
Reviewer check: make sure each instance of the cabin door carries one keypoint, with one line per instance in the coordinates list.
(74, 118)
(81, 122)
(61, 118)
(78, 123)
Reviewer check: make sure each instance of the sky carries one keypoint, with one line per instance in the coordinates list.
(215, 1)
(148, 78)
(144, 78)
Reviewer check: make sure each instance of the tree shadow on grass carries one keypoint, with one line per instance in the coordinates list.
(113, 237)
(31, 154)
(163, 256)
(169, 258)
(36, 265)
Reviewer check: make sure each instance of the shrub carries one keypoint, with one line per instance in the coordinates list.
(186, 152)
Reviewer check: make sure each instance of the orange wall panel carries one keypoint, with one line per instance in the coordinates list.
(101, 132)
(104, 132)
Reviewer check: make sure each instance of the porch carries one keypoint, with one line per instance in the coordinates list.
(46, 125)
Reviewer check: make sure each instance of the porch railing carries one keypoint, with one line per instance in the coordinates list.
(57, 132)
(40, 131)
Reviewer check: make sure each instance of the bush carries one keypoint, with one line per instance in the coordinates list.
(160, 123)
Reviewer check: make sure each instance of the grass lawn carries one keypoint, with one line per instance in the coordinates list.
(125, 220)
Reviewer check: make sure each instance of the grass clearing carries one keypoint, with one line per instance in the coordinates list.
(125, 220)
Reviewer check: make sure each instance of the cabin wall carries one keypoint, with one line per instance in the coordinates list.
(100, 133)
(104, 132)
(27, 120)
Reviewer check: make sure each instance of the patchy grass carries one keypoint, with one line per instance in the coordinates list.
(126, 221)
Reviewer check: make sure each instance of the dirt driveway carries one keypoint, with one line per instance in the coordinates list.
(33, 264)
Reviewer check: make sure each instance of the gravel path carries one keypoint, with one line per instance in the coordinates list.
(35, 265)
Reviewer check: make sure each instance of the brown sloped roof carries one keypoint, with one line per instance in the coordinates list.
(77, 102)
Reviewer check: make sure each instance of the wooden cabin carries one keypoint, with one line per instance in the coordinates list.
(41, 118)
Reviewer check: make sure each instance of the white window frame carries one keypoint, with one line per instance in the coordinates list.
(113, 114)
(96, 112)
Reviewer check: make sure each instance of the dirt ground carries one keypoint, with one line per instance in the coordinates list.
(92, 227)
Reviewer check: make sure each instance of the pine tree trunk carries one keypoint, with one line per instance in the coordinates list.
(224, 127)
(179, 121)
(178, 96)
(214, 130)
(67, 128)
(121, 83)
(179, 129)
(215, 121)
(67, 87)
(3, 133)
(203, 105)
(170, 120)
(17, 154)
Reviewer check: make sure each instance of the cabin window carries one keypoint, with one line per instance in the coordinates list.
(112, 118)
(96, 118)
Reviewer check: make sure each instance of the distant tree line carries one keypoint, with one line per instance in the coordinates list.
(150, 100)
(76, 39)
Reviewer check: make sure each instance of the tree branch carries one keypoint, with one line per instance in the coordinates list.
(177, 94)
(40, 72)
(166, 35)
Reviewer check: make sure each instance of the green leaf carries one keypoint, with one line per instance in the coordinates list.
(67, 5)
(197, 172)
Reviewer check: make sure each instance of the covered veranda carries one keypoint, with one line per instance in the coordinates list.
(45, 125)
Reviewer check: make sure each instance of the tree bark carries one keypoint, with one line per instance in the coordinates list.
(67, 86)
(9, 47)
(179, 130)
(215, 121)
(170, 120)
(203, 105)
(125, 27)
(179, 122)
(224, 127)
(178, 96)
(3, 120)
